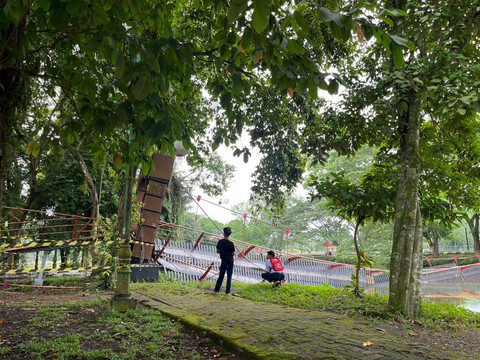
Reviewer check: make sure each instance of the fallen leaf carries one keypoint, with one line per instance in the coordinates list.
(257, 57)
(28, 309)
(2, 320)
(383, 331)
(214, 351)
(90, 310)
(290, 92)
(367, 343)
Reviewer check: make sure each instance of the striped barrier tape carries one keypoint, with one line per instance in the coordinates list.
(28, 271)
(63, 243)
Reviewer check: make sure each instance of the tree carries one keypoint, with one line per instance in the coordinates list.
(362, 200)
(408, 109)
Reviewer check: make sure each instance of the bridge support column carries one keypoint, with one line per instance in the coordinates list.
(122, 300)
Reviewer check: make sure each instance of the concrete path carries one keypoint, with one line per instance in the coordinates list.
(267, 331)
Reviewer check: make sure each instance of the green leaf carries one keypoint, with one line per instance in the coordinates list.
(143, 87)
(386, 20)
(397, 56)
(145, 167)
(261, 15)
(226, 99)
(237, 79)
(462, 111)
(333, 87)
(328, 16)
(403, 42)
(45, 4)
(60, 18)
(395, 12)
(216, 142)
(236, 8)
(301, 21)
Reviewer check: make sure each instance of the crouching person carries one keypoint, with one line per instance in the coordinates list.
(273, 269)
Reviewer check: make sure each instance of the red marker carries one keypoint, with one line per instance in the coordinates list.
(206, 272)
(456, 261)
(288, 231)
(245, 216)
(428, 260)
(199, 198)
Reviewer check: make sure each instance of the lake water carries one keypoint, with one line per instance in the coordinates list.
(433, 291)
(455, 289)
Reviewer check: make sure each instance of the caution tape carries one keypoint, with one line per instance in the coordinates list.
(53, 245)
(62, 243)
(28, 271)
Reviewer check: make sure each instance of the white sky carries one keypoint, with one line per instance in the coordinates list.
(237, 192)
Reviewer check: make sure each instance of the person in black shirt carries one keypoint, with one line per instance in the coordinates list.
(226, 249)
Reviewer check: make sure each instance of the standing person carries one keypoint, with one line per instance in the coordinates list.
(273, 269)
(226, 249)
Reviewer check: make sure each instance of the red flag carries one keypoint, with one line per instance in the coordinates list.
(456, 261)
(327, 243)
(199, 198)
(245, 216)
(288, 231)
(478, 255)
(206, 272)
(428, 260)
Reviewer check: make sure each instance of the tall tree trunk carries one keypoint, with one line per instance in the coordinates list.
(359, 257)
(406, 258)
(93, 196)
(473, 224)
(436, 237)
(432, 240)
(11, 90)
(121, 205)
(9, 83)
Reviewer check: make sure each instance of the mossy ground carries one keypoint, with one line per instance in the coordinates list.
(300, 329)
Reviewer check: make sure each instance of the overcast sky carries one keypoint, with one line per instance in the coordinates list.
(237, 192)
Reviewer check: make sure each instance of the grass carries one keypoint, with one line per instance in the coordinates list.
(66, 280)
(140, 333)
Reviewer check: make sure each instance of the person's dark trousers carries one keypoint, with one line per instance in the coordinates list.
(273, 276)
(226, 265)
